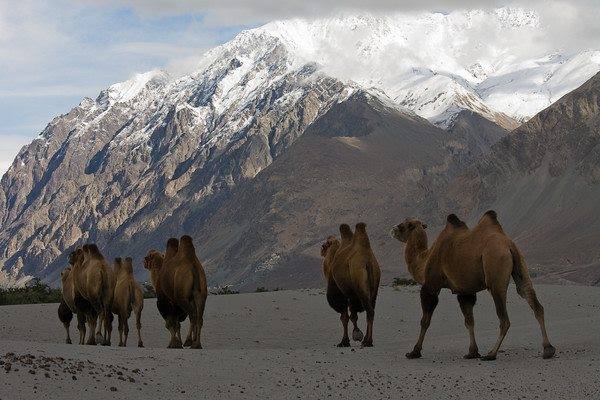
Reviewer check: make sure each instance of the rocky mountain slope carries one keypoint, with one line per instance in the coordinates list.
(544, 181)
(157, 156)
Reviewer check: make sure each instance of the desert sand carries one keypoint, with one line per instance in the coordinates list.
(282, 345)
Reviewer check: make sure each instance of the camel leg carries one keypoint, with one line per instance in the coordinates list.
(345, 339)
(66, 316)
(538, 311)
(99, 335)
(108, 319)
(173, 326)
(370, 311)
(81, 327)
(92, 320)
(198, 330)
(125, 330)
(500, 303)
(120, 327)
(357, 334)
(467, 302)
(138, 324)
(429, 301)
(190, 337)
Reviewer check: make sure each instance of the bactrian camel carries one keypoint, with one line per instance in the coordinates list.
(468, 261)
(353, 275)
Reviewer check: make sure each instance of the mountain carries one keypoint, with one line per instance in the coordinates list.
(544, 181)
(157, 155)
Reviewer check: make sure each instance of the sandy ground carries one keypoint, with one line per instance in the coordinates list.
(281, 345)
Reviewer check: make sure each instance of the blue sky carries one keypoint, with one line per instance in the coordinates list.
(52, 54)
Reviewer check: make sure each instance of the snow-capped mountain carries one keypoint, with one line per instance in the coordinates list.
(133, 158)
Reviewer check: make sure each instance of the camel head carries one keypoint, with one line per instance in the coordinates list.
(403, 230)
(153, 260)
(331, 240)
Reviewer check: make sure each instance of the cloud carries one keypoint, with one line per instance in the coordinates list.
(54, 53)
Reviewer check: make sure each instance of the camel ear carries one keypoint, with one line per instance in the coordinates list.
(424, 226)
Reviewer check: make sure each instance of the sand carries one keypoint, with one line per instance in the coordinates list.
(282, 345)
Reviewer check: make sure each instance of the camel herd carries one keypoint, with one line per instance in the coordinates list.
(94, 292)
(464, 260)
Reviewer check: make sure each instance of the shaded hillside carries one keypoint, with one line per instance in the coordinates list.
(544, 181)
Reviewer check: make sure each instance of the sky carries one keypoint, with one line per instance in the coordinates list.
(54, 53)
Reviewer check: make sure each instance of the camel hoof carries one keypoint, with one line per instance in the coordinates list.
(106, 343)
(344, 343)
(366, 343)
(68, 341)
(196, 346)
(140, 344)
(188, 343)
(413, 354)
(121, 345)
(357, 335)
(488, 357)
(549, 352)
(472, 356)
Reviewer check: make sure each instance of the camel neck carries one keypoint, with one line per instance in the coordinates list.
(415, 254)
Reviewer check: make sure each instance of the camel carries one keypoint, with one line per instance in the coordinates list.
(353, 276)
(468, 261)
(71, 304)
(180, 284)
(94, 283)
(335, 298)
(171, 313)
(128, 297)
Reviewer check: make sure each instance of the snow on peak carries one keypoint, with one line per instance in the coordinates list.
(123, 92)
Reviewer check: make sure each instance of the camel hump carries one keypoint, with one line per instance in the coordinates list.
(129, 265)
(92, 249)
(173, 243)
(118, 260)
(361, 227)
(360, 235)
(346, 231)
(186, 245)
(453, 220)
(491, 216)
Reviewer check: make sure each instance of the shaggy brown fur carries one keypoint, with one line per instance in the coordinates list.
(184, 282)
(70, 305)
(93, 282)
(356, 273)
(127, 297)
(335, 297)
(468, 261)
(169, 310)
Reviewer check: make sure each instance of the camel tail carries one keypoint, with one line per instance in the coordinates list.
(520, 273)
